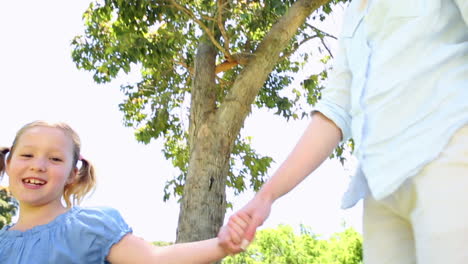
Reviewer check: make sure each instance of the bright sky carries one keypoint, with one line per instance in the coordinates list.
(40, 81)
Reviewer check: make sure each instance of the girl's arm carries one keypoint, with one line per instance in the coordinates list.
(134, 250)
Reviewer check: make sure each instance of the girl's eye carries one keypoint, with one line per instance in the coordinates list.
(56, 159)
(26, 155)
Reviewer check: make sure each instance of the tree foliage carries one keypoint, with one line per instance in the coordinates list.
(8, 207)
(161, 38)
(283, 246)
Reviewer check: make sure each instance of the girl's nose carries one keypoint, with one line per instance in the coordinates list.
(39, 164)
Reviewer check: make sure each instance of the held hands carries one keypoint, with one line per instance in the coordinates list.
(231, 236)
(240, 230)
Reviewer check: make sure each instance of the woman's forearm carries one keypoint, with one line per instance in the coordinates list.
(316, 144)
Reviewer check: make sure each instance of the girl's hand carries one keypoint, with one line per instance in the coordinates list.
(231, 236)
(242, 226)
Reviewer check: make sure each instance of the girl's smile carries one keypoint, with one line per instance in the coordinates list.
(33, 183)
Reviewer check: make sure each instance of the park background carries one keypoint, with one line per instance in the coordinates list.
(40, 81)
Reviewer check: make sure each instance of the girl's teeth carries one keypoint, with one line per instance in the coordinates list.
(34, 181)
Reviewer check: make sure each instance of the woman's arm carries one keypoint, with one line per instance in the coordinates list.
(316, 144)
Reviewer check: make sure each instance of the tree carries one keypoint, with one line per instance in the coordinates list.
(204, 66)
(8, 207)
(283, 246)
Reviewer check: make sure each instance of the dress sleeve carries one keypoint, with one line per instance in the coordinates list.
(335, 100)
(97, 230)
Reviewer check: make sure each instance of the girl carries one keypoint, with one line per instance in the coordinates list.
(42, 169)
(399, 87)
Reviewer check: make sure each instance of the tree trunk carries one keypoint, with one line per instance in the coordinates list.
(204, 203)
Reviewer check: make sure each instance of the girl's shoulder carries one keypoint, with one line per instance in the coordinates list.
(74, 217)
(82, 232)
(101, 224)
(97, 213)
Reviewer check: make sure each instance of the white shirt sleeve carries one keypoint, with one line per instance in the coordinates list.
(463, 7)
(335, 100)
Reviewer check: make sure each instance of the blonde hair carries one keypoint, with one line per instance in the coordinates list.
(84, 181)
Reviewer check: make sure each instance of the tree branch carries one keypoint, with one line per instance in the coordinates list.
(236, 59)
(319, 35)
(200, 23)
(323, 33)
(221, 5)
(186, 66)
(287, 54)
(326, 47)
(319, 31)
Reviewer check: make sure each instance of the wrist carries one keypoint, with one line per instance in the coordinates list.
(223, 252)
(266, 195)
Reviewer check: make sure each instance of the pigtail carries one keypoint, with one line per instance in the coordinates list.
(3, 154)
(84, 182)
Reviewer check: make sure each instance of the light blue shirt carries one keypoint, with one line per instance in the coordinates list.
(399, 88)
(81, 235)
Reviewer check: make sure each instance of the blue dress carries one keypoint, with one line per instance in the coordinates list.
(81, 235)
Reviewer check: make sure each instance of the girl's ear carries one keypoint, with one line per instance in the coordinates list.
(7, 165)
(72, 176)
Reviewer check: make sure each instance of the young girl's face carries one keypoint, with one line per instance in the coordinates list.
(41, 166)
